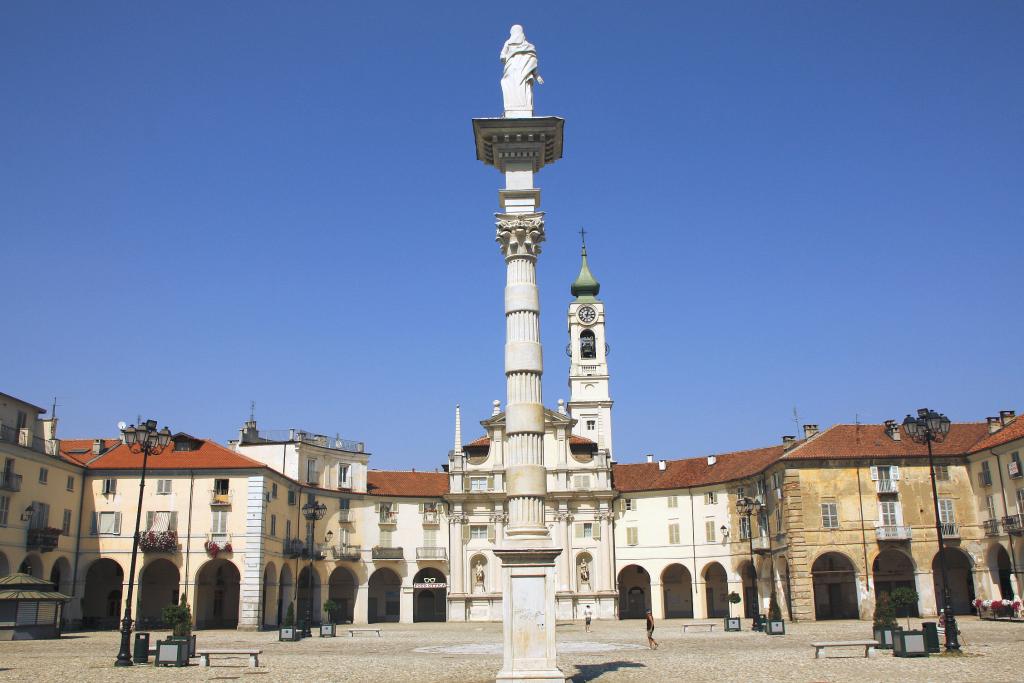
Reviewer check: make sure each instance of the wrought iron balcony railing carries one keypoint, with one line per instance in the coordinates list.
(991, 527)
(384, 553)
(887, 486)
(220, 497)
(345, 551)
(887, 532)
(431, 552)
(9, 481)
(950, 530)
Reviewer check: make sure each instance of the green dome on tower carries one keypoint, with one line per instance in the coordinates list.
(586, 286)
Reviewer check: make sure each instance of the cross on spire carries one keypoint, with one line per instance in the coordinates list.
(583, 237)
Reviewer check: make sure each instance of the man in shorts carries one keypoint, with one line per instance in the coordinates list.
(651, 642)
(588, 614)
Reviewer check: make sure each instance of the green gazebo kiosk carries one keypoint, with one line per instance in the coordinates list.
(29, 608)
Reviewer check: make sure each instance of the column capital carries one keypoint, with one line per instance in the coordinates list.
(519, 234)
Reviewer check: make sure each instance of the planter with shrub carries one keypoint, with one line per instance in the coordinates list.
(288, 631)
(884, 622)
(775, 626)
(733, 623)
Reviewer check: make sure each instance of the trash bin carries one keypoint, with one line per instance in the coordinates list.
(141, 655)
(931, 637)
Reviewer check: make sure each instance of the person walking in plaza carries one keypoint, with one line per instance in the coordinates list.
(588, 614)
(651, 642)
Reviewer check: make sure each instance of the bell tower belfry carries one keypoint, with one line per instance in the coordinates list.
(589, 401)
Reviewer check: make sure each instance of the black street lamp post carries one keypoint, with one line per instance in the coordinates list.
(746, 507)
(147, 440)
(927, 427)
(313, 512)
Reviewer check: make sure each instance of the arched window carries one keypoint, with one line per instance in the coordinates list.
(588, 345)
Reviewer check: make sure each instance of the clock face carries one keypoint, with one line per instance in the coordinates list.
(586, 314)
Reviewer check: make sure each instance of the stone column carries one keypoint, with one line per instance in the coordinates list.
(361, 604)
(564, 567)
(607, 580)
(405, 604)
(457, 560)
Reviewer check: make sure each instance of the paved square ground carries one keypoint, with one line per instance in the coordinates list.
(614, 651)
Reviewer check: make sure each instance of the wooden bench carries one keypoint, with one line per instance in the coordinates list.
(253, 655)
(353, 631)
(706, 625)
(868, 645)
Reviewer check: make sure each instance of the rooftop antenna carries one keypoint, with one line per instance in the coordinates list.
(252, 411)
(53, 410)
(796, 419)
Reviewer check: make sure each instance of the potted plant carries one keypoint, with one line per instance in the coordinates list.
(179, 619)
(776, 625)
(288, 631)
(907, 643)
(884, 622)
(327, 628)
(733, 623)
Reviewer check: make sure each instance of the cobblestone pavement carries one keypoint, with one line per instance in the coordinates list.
(471, 652)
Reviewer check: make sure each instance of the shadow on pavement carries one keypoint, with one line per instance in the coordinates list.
(589, 672)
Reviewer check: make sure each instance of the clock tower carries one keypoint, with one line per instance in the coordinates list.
(589, 401)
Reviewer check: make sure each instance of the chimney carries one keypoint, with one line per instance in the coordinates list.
(892, 429)
(661, 465)
(97, 446)
(650, 458)
(788, 440)
(1006, 416)
(994, 424)
(712, 460)
(810, 430)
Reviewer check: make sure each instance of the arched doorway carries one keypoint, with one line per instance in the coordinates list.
(268, 608)
(101, 601)
(308, 604)
(748, 578)
(835, 587)
(677, 592)
(5, 566)
(158, 588)
(430, 595)
(999, 562)
(217, 591)
(285, 593)
(32, 565)
(892, 569)
(961, 580)
(384, 598)
(60, 576)
(634, 592)
(716, 590)
(341, 588)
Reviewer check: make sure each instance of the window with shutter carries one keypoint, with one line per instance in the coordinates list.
(478, 532)
(66, 522)
(709, 530)
(990, 507)
(673, 534)
(5, 509)
(829, 516)
(710, 498)
(744, 528)
(273, 525)
(491, 536)
(597, 531)
(888, 512)
(946, 515)
(578, 528)
(673, 501)
(631, 536)
(71, 483)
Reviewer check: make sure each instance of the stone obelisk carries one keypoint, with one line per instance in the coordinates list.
(519, 144)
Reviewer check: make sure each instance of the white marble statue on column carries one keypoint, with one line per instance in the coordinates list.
(520, 60)
(584, 572)
(478, 577)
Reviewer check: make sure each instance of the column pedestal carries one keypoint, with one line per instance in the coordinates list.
(528, 604)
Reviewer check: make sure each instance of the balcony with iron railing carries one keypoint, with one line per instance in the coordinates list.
(1013, 524)
(9, 481)
(991, 527)
(431, 552)
(761, 544)
(431, 517)
(887, 486)
(386, 553)
(888, 532)
(345, 516)
(388, 517)
(220, 498)
(950, 530)
(25, 438)
(43, 539)
(344, 551)
(335, 442)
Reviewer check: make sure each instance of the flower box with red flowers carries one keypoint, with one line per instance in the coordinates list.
(158, 541)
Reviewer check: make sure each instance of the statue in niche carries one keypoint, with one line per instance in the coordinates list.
(520, 60)
(584, 571)
(478, 575)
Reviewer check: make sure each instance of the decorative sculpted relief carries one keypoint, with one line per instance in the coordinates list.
(520, 234)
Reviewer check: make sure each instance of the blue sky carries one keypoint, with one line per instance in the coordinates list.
(788, 204)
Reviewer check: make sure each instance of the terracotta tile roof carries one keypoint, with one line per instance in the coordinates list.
(482, 442)
(870, 441)
(1011, 432)
(412, 484)
(694, 471)
(581, 441)
(208, 456)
